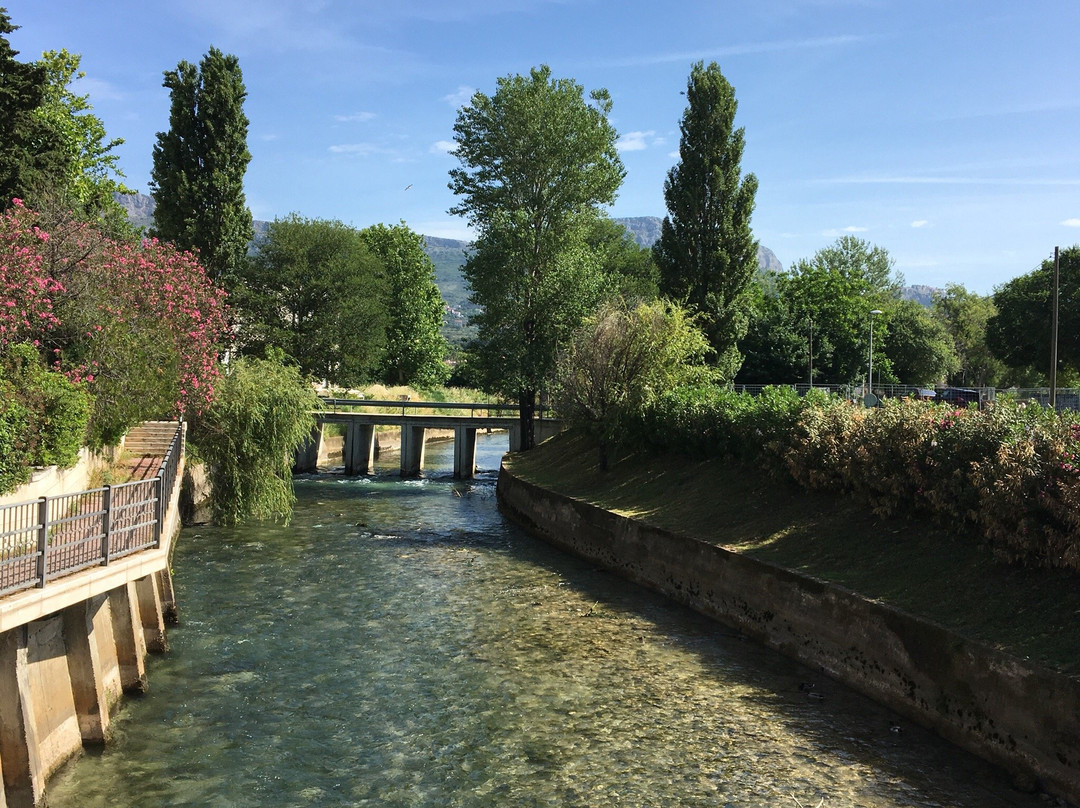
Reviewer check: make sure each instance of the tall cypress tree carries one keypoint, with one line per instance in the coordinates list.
(199, 164)
(22, 88)
(706, 253)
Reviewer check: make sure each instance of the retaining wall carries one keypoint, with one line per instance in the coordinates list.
(67, 653)
(1004, 709)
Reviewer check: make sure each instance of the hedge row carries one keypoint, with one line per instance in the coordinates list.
(1010, 473)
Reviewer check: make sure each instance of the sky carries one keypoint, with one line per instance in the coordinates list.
(945, 131)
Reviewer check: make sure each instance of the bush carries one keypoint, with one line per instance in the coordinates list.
(260, 414)
(44, 416)
(1009, 474)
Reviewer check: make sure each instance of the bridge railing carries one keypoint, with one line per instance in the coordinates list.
(52, 536)
(474, 408)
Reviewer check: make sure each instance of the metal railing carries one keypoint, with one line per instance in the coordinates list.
(53, 536)
(407, 404)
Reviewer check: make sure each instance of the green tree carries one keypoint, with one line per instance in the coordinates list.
(1020, 333)
(837, 289)
(415, 347)
(629, 266)
(621, 359)
(707, 254)
(87, 173)
(965, 316)
(24, 143)
(776, 346)
(918, 347)
(248, 436)
(536, 161)
(315, 291)
(197, 179)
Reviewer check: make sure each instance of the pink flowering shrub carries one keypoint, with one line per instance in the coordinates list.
(138, 324)
(1008, 474)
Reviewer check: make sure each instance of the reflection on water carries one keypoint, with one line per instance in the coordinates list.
(401, 645)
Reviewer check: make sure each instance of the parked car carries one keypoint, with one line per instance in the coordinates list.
(958, 396)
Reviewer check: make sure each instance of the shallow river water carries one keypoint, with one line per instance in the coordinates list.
(401, 644)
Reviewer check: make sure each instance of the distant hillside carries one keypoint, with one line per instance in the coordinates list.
(919, 293)
(646, 232)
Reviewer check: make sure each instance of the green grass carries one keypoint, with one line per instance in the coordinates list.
(913, 565)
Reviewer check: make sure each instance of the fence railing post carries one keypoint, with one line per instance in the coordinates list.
(159, 507)
(42, 541)
(106, 524)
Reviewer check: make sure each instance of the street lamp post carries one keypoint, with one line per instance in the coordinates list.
(870, 375)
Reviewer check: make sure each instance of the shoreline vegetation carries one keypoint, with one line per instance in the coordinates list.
(908, 563)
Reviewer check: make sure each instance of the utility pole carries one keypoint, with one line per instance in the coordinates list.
(811, 319)
(1054, 331)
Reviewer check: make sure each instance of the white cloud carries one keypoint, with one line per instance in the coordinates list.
(443, 147)
(355, 117)
(362, 149)
(634, 141)
(747, 48)
(834, 233)
(919, 223)
(461, 97)
(1071, 222)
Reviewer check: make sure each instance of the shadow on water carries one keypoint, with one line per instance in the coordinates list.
(400, 644)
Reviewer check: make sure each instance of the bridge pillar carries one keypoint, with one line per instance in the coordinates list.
(413, 440)
(464, 452)
(359, 448)
(307, 454)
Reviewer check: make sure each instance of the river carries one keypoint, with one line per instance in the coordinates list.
(401, 644)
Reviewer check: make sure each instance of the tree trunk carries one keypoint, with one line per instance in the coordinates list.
(526, 414)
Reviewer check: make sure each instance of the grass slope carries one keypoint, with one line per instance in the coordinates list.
(919, 568)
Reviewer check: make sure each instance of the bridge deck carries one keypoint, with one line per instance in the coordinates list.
(423, 420)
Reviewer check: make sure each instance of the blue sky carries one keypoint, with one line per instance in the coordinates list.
(945, 131)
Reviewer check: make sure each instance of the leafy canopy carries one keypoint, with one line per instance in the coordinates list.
(197, 179)
(537, 159)
(707, 254)
(315, 291)
(415, 347)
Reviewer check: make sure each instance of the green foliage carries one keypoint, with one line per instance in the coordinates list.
(248, 436)
(1008, 474)
(315, 291)
(415, 348)
(536, 159)
(919, 347)
(199, 165)
(706, 253)
(1019, 334)
(965, 316)
(836, 290)
(620, 360)
(630, 268)
(16, 433)
(24, 147)
(43, 417)
(88, 174)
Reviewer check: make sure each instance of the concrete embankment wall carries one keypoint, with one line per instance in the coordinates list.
(1002, 708)
(68, 651)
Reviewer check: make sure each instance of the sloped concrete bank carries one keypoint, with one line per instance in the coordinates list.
(1004, 709)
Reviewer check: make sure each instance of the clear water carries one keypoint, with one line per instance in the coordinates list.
(401, 644)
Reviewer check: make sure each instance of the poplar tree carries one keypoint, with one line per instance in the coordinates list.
(197, 179)
(707, 254)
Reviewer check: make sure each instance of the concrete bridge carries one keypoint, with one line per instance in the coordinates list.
(358, 451)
